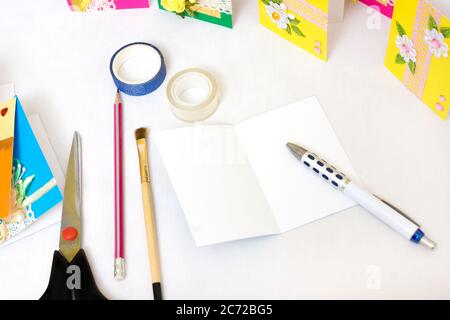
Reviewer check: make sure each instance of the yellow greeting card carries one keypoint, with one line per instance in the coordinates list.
(7, 120)
(418, 54)
(303, 22)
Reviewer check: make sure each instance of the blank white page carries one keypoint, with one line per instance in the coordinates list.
(215, 185)
(294, 193)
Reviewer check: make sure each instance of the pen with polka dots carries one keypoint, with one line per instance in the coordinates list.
(379, 208)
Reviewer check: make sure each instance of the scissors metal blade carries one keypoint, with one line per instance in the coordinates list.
(70, 242)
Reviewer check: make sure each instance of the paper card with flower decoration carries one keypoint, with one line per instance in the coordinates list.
(303, 22)
(215, 11)
(32, 188)
(386, 7)
(106, 5)
(418, 54)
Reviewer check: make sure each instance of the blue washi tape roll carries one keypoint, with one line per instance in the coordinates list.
(138, 68)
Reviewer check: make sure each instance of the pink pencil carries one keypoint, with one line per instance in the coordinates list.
(119, 260)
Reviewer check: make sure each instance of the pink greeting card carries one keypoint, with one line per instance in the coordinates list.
(386, 7)
(105, 5)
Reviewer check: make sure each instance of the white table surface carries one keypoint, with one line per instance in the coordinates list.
(58, 61)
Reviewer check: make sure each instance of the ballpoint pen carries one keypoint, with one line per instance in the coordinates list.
(379, 208)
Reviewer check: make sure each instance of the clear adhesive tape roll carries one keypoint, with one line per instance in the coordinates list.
(205, 101)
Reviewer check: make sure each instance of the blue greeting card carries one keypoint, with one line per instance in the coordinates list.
(34, 190)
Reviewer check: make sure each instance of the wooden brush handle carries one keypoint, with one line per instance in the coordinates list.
(149, 216)
(150, 228)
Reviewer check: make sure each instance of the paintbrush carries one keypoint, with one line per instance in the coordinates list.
(149, 214)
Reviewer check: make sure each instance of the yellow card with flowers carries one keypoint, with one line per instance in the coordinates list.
(303, 22)
(417, 53)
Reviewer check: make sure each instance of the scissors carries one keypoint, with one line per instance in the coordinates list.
(71, 277)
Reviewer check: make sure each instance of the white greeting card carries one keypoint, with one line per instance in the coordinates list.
(241, 181)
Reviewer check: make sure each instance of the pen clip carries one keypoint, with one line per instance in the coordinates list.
(397, 209)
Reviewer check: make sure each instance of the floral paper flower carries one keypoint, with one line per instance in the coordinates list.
(180, 7)
(436, 43)
(279, 15)
(406, 46)
(19, 190)
(407, 53)
(177, 6)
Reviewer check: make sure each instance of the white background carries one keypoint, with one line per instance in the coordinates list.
(58, 61)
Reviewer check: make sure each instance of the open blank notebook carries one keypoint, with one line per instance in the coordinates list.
(241, 181)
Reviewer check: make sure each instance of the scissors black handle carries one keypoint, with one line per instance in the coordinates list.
(72, 281)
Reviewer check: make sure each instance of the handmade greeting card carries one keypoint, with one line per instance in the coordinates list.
(214, 11)
(418, 54)
(105, 5)
(31, 186)
(303, 22)
(7, 117)
(386, 7)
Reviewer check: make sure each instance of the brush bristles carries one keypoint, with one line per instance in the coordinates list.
(141, 133)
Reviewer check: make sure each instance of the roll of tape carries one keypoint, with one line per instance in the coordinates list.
(202, 104)
(138, 68)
